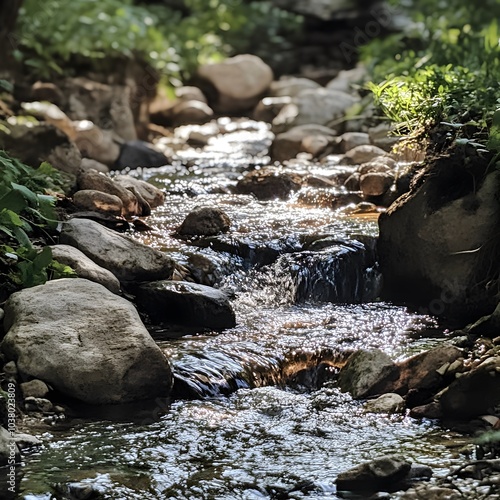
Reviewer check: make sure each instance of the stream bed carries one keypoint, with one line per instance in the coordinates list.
(256, 411)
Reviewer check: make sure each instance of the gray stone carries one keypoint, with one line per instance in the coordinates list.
(153, 196)
(8, 445)
(205, 221)
(189, 93)
(89, 164)
(135, 154)
(291, 86)
(315, 106)
(269, 183)
(269, 108)
(126, 258)
(97, 201)
(365, 371)
(378, 475)
(95, 143)
(363, 154)
(84, 267)
(10, 369)
(239, 82)
(85, 342)
(186, 303)
(346, 79)
(35, 389)
(187, 112)
(375, 183)
(387, 403)
(26, 441)
(41, 405)
(350, 140)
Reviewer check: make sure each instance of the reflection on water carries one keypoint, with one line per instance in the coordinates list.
(260, 412)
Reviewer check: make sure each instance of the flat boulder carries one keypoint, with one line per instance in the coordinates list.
(365, 372)
(127, 259)
(84, 267)
(85, 342)
(184, 303)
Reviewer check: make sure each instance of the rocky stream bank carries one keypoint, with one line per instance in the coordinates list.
(230, 204)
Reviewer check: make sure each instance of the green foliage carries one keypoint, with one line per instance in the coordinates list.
(488, 445)
(26, 211)
(446, 67)
(54, 33)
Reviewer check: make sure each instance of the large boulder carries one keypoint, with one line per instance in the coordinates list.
(126, 258)
(437, 242)
(186, 303)
(236, 84)
(84, 267)
(85, 342)
(319, 106)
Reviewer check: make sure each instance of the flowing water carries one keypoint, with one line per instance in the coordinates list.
(256, 413)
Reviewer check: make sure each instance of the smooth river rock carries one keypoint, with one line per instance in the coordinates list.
(180, 302)
(205, 221)
(126, 258)
(85, 342)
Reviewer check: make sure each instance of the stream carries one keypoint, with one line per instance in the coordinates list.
(255, 412)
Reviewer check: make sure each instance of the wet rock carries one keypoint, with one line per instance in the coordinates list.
(35, 389)
(95, 143)
(487, 326)
(269, 107)
(317, 106)
(433, 247)
(430, 410)
(288, 144)
(39, 405)
(365, 372)
(89, 164)
(291, 86)
(10, 369)
(428, 491)
(375, 183)
(203, 270)
(205, 221)
(474, 393)
(97, 201)
(188, 112)
(190, 93)
(6, 444)
(352, 182)
(126, 258)
(24, 441)
(382, 474)
(84, 267)
(151, 194)
(80, 491)
(186, 303)
(350, 140)
(268, 184)
(239, 82)
(42, 142)
(387, 403)
(363, 154)
(95, 181)
(135, 154)
(87, 343)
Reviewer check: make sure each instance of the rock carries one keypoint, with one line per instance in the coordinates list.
(474, 393)
(378, 164)
(366, 371)
(375, 183)
(363, 154)
(268, 183)
(387, 403)
(239, 82)
(350, 140)
(84, 267)
(428, 491)
(380, 136)
(291, 86)
(269, 107)
(151, 194)
(430, 410)
(95, 143)
(346, 79)
(86, 342)
(10, 369)
(8, 444)
(205, 221)
(95, 181)
(24, 441)
(89, 164)
(46, 91)
(135, 154)
(40, 405)
(288, 144)
(43, 142)
(51, 114)
(126, 258)
(435, 242)
(97, 201)
(188, 112)
(34, 389)
(314, 145)
(352, 182)
(108, 106)
(318, 106)
(189, 93)
(382, 474)
(487, 326)
(180, 302)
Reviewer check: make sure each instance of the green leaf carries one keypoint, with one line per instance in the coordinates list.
(494, 136)
(6, 86)
(14, 201)
(43, 259)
